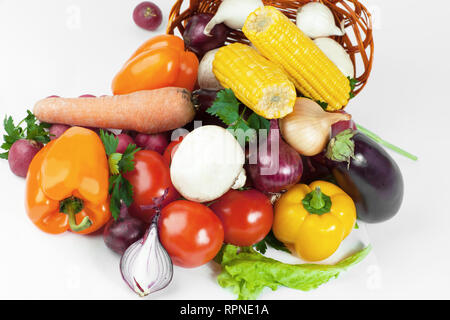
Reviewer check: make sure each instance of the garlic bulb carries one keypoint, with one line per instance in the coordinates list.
(307, 128)
(316, 20)
(233, 13)
(337, 54)
(206, 77)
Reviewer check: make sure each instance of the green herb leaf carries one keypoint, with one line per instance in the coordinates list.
(257, 122)
(247, 272)
(120, 189)
(33, 131)
(353, 82)
(126, 192)
(126, 164)
(272, 242)
(114, 203)
(323, 104)
(226, 108)
(109, 141)
(113, 162)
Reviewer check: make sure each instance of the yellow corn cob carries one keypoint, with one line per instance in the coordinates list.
(281, 41)
(260, 84)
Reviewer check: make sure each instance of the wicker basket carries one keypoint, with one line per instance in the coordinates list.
(357, 41)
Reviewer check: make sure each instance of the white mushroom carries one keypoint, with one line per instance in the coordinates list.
(208, 162)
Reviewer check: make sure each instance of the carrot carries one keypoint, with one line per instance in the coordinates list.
(147, 111)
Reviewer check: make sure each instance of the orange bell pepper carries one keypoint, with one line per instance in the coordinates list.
(159, 62)
(67, 184)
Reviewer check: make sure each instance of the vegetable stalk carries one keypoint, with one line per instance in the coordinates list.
(388, 145)
(71, 206)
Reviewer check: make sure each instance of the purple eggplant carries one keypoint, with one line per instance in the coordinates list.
(364, 170)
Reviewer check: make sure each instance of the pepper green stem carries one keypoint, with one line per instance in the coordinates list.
(71, 206)
(317, 201)
(388, 145)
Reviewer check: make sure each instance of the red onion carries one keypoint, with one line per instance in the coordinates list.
(121, 233)
(146, 266)
(342, 125)
(197, 41)
(278, 166)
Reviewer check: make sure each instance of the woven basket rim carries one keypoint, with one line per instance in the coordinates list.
(357, 23)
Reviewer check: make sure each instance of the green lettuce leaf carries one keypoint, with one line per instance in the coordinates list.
(246, 272)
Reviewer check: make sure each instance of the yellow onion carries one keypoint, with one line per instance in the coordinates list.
(307, 127)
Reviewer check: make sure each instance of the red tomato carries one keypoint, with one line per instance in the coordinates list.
(152, 186)
(170, 150)
(190, 232)
(246, 216)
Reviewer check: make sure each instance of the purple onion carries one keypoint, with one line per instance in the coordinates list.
(277, 166)
(342, 125)
(197, 41)
(146, 266)
(121, 233)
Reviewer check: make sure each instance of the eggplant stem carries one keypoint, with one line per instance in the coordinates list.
(388, 145)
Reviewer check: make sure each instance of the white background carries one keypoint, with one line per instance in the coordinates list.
(75, 47)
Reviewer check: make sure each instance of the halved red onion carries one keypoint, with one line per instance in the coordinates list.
(146, 266)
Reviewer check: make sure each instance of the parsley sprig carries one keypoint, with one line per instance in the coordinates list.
(226, 108)
(34, 131)
(120, 189)
(271, 241)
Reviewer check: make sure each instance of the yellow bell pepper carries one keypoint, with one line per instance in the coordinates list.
(314, 218)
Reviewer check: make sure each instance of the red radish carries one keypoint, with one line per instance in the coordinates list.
(87, 96)
(56, 130)
(147, 15)
(156, 142)
(124, 141)
(20, 155)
